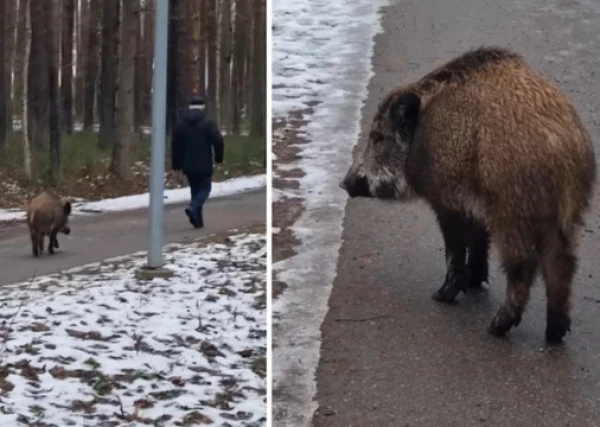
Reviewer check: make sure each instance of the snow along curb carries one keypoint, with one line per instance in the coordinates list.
(139, 201)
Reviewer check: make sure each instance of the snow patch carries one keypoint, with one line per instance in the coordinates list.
(138, 201)
(321, 54)
(93, 345)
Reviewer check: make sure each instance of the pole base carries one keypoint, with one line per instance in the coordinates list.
(147, 273)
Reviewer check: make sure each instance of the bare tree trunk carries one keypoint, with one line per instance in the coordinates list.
(225, 69)
(171, 66)
(24, 66)
(239, 65)
(108, 78)
(139, 68)
(11, 9)
(259, 72)
(246, 84)
(3, 67)
(21, 54)
(202, 48)
(211, 28)
(91, 66)
(183, 82)
(37, 78)
(125, 97)
(67, 64)
(148, 60)
(194, 28)
(54, 94)
(82, 53)
(179, 70)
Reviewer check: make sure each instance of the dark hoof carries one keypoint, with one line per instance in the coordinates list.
(476, 279)
(557, 326)
(504, 320)
(477, 288)
(190, 216)
(451, 288)
(476, 284)
(446, 294)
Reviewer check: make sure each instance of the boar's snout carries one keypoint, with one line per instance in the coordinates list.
(66, 230)
(356, 185)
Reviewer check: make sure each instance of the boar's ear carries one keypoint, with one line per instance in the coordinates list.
(67, 208)
(404, 113)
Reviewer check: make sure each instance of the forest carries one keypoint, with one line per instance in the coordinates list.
(76, 90)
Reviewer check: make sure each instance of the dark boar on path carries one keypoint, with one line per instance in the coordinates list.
(500, 155)
(47, 215)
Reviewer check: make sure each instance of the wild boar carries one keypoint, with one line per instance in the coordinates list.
(500, 154)
(47, 215)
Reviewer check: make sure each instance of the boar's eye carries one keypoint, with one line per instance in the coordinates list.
(375, 136)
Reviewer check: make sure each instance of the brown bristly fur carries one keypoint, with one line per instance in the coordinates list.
(497, 151)
(47, 215)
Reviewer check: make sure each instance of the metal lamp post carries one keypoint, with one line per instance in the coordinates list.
(159, 106)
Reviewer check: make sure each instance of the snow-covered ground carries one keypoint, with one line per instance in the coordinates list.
(321, 53)
(136, 201)
(95, 346)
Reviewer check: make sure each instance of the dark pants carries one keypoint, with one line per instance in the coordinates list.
(200, 187)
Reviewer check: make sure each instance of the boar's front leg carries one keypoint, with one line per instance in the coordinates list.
(455, 240)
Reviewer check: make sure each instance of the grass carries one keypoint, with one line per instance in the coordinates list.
(81, 156)
(85, 166)
(244, 155)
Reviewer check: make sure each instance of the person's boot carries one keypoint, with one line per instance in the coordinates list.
(191, 217)
(199, 221)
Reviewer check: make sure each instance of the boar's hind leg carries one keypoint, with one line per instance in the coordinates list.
(520, 263)
(40, 240)
(558, 268)
(53, 243)
(35, 248)
(454, 231)
(477, 265)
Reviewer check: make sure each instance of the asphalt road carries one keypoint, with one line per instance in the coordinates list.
(391, 356)
(97, 237)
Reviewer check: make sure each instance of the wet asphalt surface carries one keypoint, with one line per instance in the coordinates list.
(97, 237)
(391, 356)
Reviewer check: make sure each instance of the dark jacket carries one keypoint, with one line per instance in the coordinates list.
(195, 139)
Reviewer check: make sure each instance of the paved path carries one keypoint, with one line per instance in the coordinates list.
(97, 237)
(391, 356)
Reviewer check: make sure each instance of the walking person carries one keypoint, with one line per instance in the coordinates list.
(196, 139)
